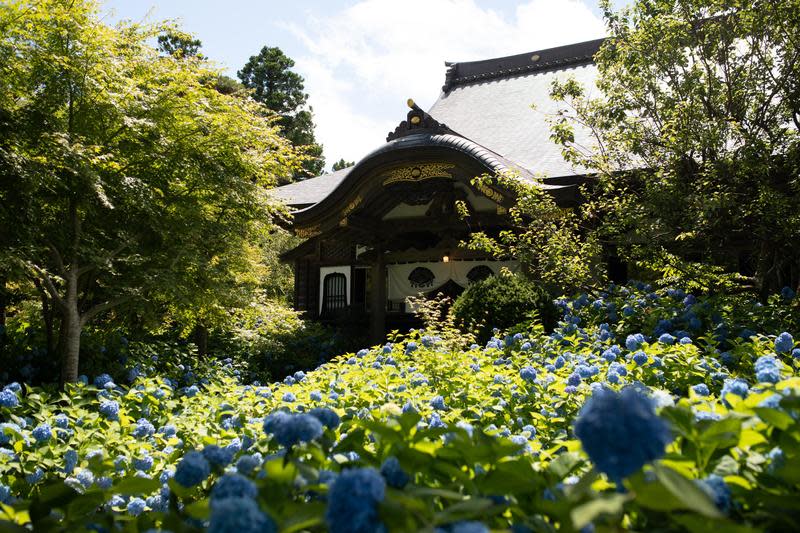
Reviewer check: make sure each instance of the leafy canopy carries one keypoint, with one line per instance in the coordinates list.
(127, 177)
(695, 137)
(275, 85)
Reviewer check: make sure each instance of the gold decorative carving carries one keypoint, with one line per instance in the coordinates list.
(490, 193)
(352, 205)
(306, 233)
(419, 172)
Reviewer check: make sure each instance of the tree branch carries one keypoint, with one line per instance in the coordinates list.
(102, 307)
(48, 284)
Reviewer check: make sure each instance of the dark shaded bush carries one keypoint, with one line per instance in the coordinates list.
(502, 302)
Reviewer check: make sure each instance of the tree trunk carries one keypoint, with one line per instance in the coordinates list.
(71, 334)
(71, 326)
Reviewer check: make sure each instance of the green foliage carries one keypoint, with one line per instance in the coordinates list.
(502, 302)
(542, 480)
(550, 241)
(340, 164)
(695, 140)
(274, 84)
(274, 341)
(179, 44)
(129, 182)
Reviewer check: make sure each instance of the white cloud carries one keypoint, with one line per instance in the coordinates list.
(365, 61)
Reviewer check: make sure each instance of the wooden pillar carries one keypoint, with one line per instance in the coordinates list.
(377, 320)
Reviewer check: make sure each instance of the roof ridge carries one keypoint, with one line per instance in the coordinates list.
(462, 73)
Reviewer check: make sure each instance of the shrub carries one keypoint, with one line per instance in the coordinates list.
(502, 302)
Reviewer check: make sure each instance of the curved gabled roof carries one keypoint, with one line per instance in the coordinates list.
(485, 112)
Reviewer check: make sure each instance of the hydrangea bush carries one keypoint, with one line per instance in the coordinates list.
(643, 410)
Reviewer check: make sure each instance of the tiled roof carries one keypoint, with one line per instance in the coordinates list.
(497, 111)
(310, 191)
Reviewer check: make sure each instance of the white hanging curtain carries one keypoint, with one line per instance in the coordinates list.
(401, 287)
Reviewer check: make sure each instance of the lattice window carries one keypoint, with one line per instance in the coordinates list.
(334, 293)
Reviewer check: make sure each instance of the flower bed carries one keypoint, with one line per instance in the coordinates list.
(644, 410)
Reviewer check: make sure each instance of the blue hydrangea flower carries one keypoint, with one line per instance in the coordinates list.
(528, 373)
(559, 362)
(136, 506)
(737, 386)
(61, 421)
(718, 491)
(85, 478)
(633, 342)
(109, 409)
(574, 379)
(192, 391)
(328, 417)
(621, 432)
(192, 469)
(612, 377)
(102, 380)
(438, 403)
(436, 421)
(70, 461)
(217, 456)
(5, 494)
(43, 432)
(8, 398)
(701, 389)
(239, 515)
(787, 293)
(394, 474)
(143, 429)
(353, 501)
(233, 486)
(610, 354)
(640, 358)
(143, 463)
(104, 482)
(685, 340)
(315, 396)
(288, 397)
(666, 338)
(288, 429)
(784, 343)
(468, 527)
(247, 463)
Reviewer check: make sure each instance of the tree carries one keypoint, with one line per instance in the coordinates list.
(340, 164)
(128, 179)
(179, 44)
(274, 84)
(695, 138)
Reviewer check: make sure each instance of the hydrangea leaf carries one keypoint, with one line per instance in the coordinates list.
(686, 491)
(612, 504)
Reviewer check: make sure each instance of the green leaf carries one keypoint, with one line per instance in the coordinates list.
(687, 491)
(779, 419)
(587, 512)
(136, 486)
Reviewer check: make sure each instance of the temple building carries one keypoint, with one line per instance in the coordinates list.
(387, 229)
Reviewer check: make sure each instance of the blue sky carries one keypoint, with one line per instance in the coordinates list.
(363, 58)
